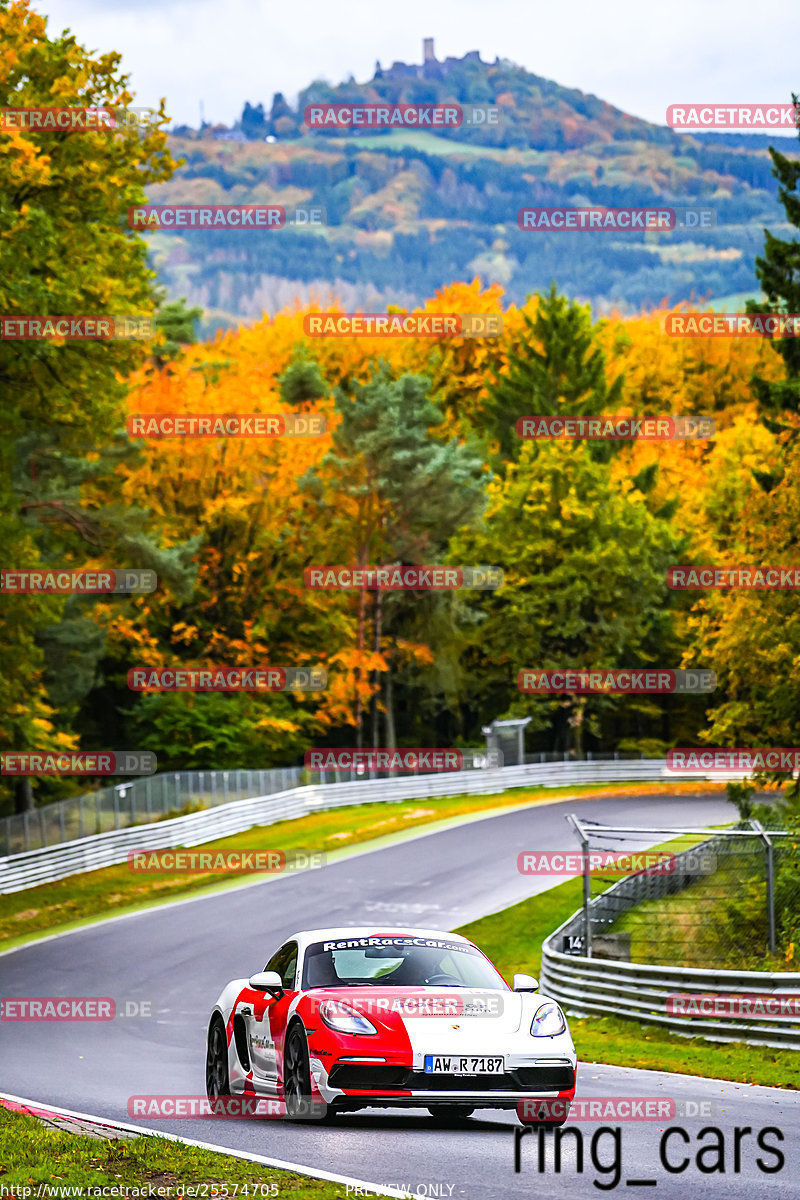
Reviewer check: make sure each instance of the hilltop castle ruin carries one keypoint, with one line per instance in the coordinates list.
(429, 68)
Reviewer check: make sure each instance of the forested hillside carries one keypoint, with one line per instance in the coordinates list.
(408, 211)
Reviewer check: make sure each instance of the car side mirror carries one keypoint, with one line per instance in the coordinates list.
(525, 983)
(267, 981)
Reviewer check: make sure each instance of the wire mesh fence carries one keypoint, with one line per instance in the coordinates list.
(728, 899)
(159, 797)
(137, 802)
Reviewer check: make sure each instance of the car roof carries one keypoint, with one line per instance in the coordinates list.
(340, 932)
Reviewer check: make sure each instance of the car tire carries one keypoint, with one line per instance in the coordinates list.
(451, 1112)
(297, 1079)
(218, 1082)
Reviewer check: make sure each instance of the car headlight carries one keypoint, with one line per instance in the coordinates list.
(548, 1020)
(344, 1019)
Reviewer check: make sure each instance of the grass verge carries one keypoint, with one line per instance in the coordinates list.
(53, 907)
(33, 1155)
(513, 940)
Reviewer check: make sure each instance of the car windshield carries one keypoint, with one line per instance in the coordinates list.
(398, 962)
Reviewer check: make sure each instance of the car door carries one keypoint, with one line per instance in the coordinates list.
(267, 1022)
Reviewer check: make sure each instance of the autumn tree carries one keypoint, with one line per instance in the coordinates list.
(390, 491)
(64, 250)
(584, 560)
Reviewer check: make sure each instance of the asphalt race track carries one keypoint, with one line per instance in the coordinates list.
(179, 956)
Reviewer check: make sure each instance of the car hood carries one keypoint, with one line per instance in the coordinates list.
(456, 1009)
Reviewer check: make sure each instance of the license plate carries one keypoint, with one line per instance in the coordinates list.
(450, 1064)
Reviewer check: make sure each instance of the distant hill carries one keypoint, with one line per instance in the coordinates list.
(408, 211)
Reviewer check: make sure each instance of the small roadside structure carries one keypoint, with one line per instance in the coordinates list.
(509, 738)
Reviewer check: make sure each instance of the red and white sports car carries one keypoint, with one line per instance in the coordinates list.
(343, 1019)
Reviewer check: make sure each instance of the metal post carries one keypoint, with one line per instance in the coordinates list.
(42, 827)
(27, 831)
(214, 788)
(80, 814)
(133, 803)
(770, 849)
(148, 797)
(587, 884)
(771, 896)
(116, 808)
(61, 822)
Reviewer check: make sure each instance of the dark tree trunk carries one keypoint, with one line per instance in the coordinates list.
(23, 795)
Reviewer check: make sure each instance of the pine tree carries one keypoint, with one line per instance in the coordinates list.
(778, 271)
(565, 377)
(392, 493)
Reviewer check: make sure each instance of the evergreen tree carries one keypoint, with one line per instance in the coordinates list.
(177, 323)
(391, 492)
(556, 369)
(254, 122)
(778, 271)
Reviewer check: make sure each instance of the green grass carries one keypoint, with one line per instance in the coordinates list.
(720, 919)
(32, 1154)
(513, 940)
(424, 140)
(111, 891)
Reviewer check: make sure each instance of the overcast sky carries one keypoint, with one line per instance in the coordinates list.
(640, 55)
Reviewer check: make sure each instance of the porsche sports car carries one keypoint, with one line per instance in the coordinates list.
(344, 1019)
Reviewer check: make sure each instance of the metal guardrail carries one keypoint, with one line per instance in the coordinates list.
(153, 797)
(587, 986)
(25, 870)
(136, 802)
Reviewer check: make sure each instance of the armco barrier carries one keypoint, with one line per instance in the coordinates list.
(586, 986)
(137, 801)
(20, 871)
